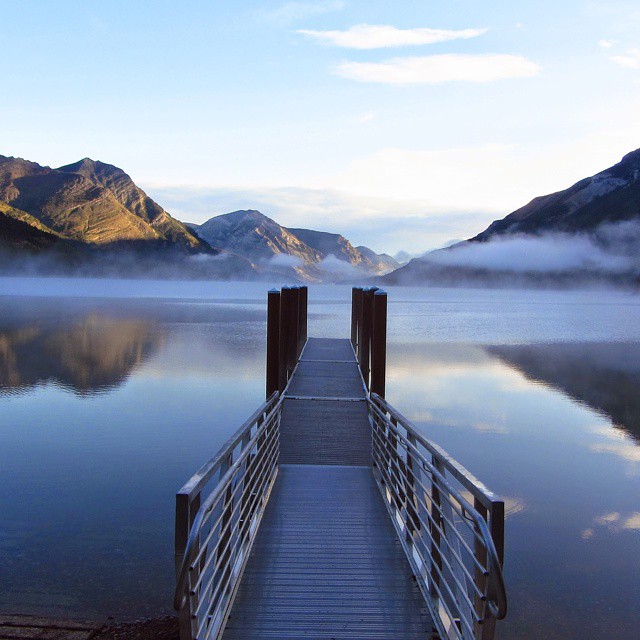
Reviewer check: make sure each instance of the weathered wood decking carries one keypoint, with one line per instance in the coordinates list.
(327, 562)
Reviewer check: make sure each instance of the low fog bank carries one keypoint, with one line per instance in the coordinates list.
(126, 263)
(608, 256)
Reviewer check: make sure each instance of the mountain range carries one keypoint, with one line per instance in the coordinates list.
(84, 214)
(589, 231)
(90, 217)
(312, 255)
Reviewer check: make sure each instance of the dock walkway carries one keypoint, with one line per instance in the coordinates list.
(327, 514)
(327, 562)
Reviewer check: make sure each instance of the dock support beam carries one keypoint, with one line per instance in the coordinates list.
(379, 343)
(303, 296)
(366, 333)
(286, 334)
(294, 330)
(285, 305)
(273, 341)
(356, 316)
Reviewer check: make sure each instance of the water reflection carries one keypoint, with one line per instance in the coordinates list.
(554, 430)
(94, 354)
(87, 479)
(106, 407)
(605, 377)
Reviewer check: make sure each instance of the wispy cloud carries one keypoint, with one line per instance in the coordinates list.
(605, 44)
(366, 117)
(626, 450)
(439, 69)
(614, 522)
(370, 36)
(385, 224)
(291, 12)
(631, 60)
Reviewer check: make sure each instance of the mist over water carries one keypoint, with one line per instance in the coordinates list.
(112, 393)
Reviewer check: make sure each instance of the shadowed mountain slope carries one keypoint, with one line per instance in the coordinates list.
(586, 234)
(312, 255)
(255, 236)
(613, 195)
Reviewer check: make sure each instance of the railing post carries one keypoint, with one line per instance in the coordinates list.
(495, 519)
(496, 527)
(186, 510)
(379, 343)
(486, 629)
(273, 341)
(283, 338)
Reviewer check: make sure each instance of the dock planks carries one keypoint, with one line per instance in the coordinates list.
(326, 563)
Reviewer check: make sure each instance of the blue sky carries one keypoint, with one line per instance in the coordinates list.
(400, 124)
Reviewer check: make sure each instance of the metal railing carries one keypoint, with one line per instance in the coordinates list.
(450, 525)
(215, 531)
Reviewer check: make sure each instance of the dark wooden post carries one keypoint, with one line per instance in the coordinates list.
(305, 314)
(481, 630)
(356, 315)
(364, 352)
(273, 341)
(294, 325)
(302, 319)
(379, 343)
(283, 339)
(186, 510)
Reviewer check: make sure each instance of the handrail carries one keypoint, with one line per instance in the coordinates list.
(199, 479)
(210, 559)
(465, 477)
(453, 546)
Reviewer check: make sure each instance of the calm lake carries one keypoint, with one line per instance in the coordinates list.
(113, 393)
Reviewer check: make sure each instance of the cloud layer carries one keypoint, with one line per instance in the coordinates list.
(438, 69)
(368, 36)
(631, 60)
(612, 249)
(291, 12)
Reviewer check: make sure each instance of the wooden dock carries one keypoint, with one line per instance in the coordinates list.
(326, 562)
(327, 515)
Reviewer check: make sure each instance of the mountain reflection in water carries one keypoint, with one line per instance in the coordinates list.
(604, 377)
(93, 354)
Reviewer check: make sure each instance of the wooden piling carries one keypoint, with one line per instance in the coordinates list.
(302, 319)
(379, 343)
(357, 315)
(364, 351)
(273, 341)
(283, 339)
(294, 330)
(355, 291)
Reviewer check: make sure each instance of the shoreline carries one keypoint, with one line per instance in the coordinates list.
(45, 628)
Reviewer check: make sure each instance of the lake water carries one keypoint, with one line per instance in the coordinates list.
(113, 393)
